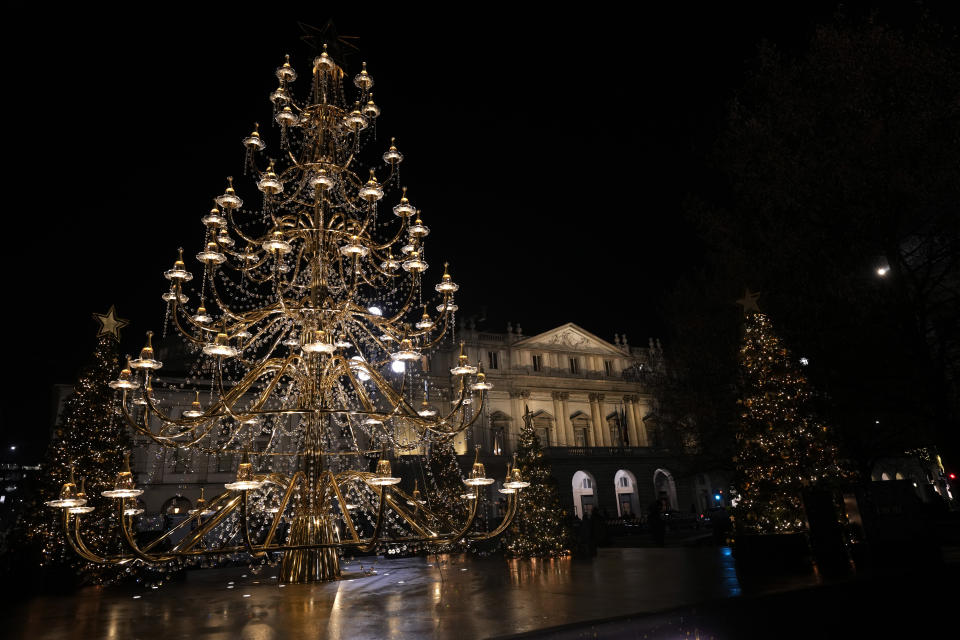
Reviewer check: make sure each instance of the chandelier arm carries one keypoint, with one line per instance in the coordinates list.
(131, 541)
(378, 528)
(252, 274)
(297, 262)
(161, 440)
(507, 520)
(192, 538)
(344, 511)
(231, 397)
(408, 517)
(224, 308)
(264, 395)
(359, 388)
(245, 526)
(176, 318)
(443, 321)
(76, 542)
(466, 527)
(185, 522)
(405, 307)
(196, 325)
(397, 400)
(394, 240)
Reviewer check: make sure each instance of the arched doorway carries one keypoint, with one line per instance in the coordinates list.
(628, 500)
(665, 487)
(176, 506)
(584, 499)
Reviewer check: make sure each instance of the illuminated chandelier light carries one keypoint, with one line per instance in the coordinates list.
(318, 337)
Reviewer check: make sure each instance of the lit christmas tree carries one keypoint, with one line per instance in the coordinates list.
(782, 448)
(89, 436)
(540, 528)
(446, 496)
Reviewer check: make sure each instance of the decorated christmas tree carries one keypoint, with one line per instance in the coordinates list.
(782, 448)
(540, 528)
(88, 436)
(446, 495)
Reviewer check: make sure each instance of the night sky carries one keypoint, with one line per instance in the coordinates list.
(550, 157)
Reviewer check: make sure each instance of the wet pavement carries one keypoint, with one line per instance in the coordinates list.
(460, 597)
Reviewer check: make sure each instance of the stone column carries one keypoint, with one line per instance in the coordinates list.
(517, 423)
(596, 419)
(632, 431)
(642, 437)
(567, 426)
(558, 429)
(604, 427)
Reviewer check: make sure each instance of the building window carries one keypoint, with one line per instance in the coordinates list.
(580, 437)
(616, 436)
(544, 435)
(493, 359)
(498, 442)
(538, 363)
(587, 483)
(623, 481)
(607, 367)
(179, 461)
(574, 365)
(225, 463)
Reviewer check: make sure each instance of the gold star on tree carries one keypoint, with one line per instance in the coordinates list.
(749, 302)
(110, 323)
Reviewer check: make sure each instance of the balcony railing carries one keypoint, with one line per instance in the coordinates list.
(596, 452)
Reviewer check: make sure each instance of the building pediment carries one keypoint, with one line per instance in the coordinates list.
(569, 337)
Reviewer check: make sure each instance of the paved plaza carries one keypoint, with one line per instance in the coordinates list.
(459, 596)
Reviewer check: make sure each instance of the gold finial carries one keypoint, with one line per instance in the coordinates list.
(150, 340)
(230, 180)
(71, 475)
(392, 141)
(476, 457)
(286, 60)
(126, 462)
(180, 254)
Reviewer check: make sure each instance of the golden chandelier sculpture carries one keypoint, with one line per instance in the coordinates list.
(313, 320)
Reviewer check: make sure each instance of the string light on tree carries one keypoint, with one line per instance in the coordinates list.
(782, 447)
(540, 530)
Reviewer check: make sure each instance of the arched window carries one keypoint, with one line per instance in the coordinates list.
(584, 499)
(665, 488)
(628, 501)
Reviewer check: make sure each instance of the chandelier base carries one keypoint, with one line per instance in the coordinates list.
(301, 566)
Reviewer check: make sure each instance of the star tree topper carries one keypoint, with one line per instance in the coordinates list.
(749, 302)
(110, 323)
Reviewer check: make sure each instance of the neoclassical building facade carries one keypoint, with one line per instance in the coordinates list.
(590, 401)
(593, 410)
